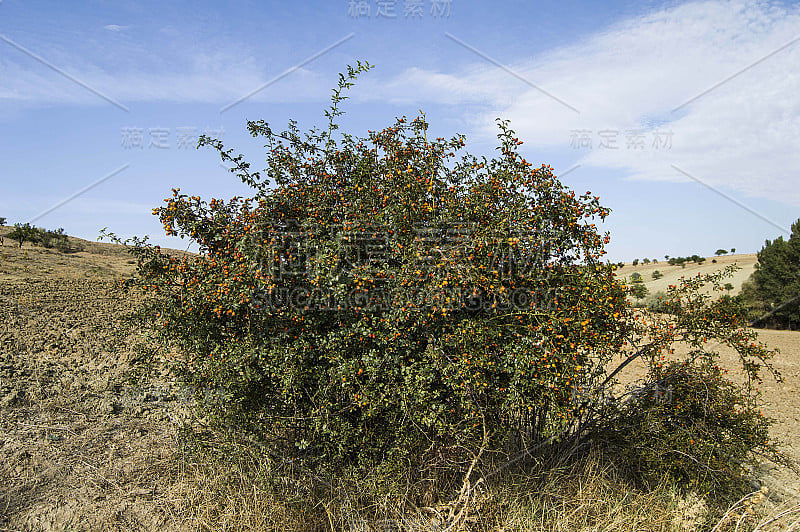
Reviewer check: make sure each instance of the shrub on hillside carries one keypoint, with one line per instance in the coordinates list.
(379, 302)
(655, 301)
(386, 305)
(639, 290)
(38, 236)
(52, 239)
(687, 421)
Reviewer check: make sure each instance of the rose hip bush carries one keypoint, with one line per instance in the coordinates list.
(376, 298)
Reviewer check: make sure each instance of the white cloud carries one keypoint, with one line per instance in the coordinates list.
(742, 134)
(114, 27)
(185, 75)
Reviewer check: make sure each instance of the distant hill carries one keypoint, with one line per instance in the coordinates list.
(672, 274)
(96, 260)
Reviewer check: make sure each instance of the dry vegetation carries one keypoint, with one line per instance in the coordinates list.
(87, 443)
(672, 274)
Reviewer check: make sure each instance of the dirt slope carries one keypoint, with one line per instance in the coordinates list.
(81, 446)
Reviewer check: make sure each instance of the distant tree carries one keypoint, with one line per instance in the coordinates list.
(713, 261)
(636, 277)
(694, 258)
(639, 290)
(720, 252)
(2, 221)
(24, 232)
(655, 261)
(733, 250)
(635, 262)
(678, 261)
(49, 239)
(646, 261)
(666, 257)
(728, 287)
(657, 274)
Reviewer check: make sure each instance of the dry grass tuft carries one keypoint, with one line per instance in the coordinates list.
(239, 490)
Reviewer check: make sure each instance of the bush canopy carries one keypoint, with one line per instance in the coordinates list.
(377, 300)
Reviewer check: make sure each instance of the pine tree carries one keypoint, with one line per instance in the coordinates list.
(776, 280)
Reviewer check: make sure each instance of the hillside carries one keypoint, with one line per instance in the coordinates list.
(97, 260)
(672, 274)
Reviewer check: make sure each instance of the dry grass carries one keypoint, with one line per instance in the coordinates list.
(227, 488)
(755, 512)
(239, 490)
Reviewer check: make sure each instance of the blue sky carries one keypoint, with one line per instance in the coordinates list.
(684, 117)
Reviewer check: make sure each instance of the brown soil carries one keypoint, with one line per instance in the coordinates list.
(81, 446)
(84, 446)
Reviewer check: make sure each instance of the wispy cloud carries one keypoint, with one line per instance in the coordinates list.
(114, 27)
(741, 134)
(188, 74)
